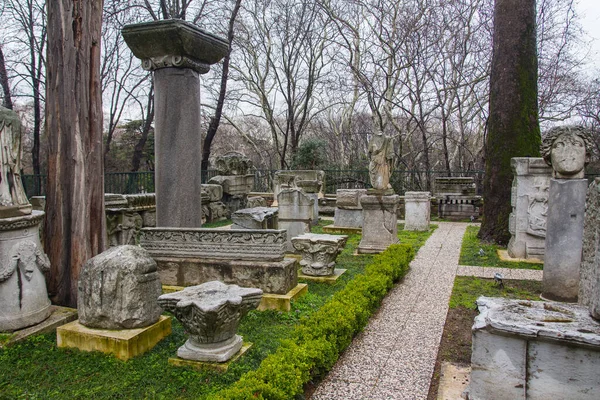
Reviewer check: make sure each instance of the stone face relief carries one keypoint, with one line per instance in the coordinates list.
(211, 314)
(567, 150)
(538, 209)
(381, 155)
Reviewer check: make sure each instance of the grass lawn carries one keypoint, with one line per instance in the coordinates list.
(37, 369)
(469, 253)
(455, 346)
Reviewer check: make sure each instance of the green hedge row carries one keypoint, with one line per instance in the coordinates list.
(318, 340)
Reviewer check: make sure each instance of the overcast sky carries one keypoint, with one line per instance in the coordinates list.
(589, 11)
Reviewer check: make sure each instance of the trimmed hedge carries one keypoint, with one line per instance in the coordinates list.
(318, 340)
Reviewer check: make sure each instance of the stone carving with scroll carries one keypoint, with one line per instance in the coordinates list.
(381, 155)
(567, 150)
(319, 252)
(210, 313)
(23, 296)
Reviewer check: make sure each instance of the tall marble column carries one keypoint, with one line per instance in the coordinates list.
(177, 52)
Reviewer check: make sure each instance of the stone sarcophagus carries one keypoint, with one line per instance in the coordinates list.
(529, 201)
(251, 258)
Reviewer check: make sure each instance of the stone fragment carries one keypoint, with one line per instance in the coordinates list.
(118, 289)
(589, 273)
(380, 223)
(288, 179)
(319, 252)
(348, 211)
(210, 313)
(234, 163)
(213, 192)
(255, 218)
(295, 213)
(456, 197)
(311, 189)
(417, 212)
(256, 201)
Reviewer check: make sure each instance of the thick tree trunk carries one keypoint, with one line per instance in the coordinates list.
(513, 122)
(75, 222)
(4, 82)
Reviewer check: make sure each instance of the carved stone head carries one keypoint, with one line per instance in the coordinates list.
(567, 150)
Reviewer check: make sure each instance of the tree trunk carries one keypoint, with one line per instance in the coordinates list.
(75, 222)
(4, 82)
(216, 119)
(513, 122)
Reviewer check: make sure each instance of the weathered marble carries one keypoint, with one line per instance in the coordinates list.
(589, 272)
(456, 197)
(319, 252)
(256, 201)
(380, 223)
(118, 289)
(233, 163)
(177, 52)
(295, 213)
(23, 296)
(529, 201)
(567, 149)
(348, 211)
(126, 215)
(381, 160)
(564, 238)
(417, 214)
(288, 179)
(311, 189)
(238, 244)
(255, 218)
(210, 313)
(213, 192)
(534, 350)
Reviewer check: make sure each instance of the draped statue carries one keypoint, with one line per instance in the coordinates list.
(381, 155)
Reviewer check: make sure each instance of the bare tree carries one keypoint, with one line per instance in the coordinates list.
(7, 99)
(74, 228)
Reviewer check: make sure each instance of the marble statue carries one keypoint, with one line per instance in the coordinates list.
(567, 150)
(381, 155)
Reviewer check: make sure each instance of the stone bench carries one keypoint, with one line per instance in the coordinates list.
(319, 252)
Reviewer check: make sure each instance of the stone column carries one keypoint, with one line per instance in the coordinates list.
(177, 52)
(529, 201)
(380, 223)
(417, 211)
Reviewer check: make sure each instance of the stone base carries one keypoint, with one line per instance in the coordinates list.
(216, 366)
(341, 229)
(282, 302)
(504, 256)
(59, 316)
(380, 192)
(380, 223)
(534, 350)
(123, 344)
(348, 217)
(271, 276)
(331, 279)
(211, 352)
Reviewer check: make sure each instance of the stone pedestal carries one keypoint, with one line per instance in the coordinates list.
(417, 211)
(534, 350)
(311, 189)
(564, 238)
(380, 223)
(177, 52)
(289, 178)
(319, 252)
(295, 213)
(529, 201)
(348, 211)
(589, 273)
(255, 218)
(23, 296)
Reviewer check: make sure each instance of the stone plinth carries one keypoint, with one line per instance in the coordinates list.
(233, 244)
(123, 344)
(118, 289)
(210, 313)
(589, 272)
(311, 188)
(295, 213)
(255, 218)
(564, 238)
(529, 201)
(204, 365)
(417, 211)
(289, 178)
(23, 296)
(177, 52)
(534, 350)
(319, 252)
(348, 211)
(380, 224)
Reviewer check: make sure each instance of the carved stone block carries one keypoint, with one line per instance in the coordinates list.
(319, 252)
(296, 211)
(256, 201)
(118, 290)
(288, 179)
(213, 192)
(380, 223)
(417, 212)
(349, 199)
(589, 273)
(255, 218)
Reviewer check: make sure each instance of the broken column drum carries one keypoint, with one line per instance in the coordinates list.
(177, 52)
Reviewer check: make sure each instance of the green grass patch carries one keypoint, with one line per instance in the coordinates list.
(4, 338)
(217, 224)
(467, 289)
(289, 348)
(469, 253)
